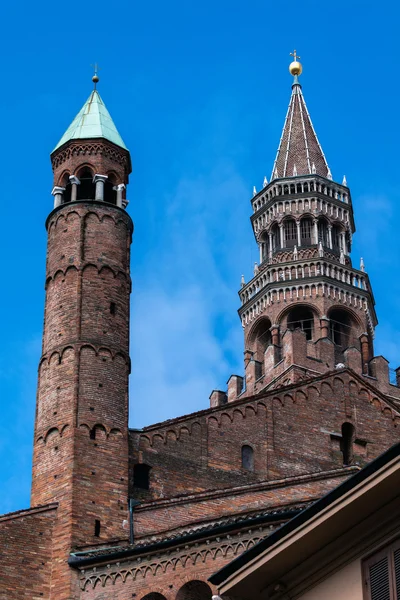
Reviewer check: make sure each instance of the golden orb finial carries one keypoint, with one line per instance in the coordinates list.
(295, 67)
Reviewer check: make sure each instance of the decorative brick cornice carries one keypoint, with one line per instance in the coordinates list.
(90, 148)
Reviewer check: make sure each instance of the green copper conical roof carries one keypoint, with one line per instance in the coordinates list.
(92, 121)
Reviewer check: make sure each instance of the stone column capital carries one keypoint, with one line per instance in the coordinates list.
(74, 179)
(99, 177)
(120, 187)
(57, 190)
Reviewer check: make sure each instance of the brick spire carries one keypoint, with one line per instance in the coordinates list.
(299, 151)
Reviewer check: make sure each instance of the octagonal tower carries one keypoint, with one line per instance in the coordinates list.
(307, 309)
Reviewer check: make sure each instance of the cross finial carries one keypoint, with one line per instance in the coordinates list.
(295, 57)
(95, 77)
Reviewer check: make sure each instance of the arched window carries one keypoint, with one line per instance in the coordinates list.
(110, 194)
(340, 326)
(323, 235)
(306, 232)
(86, 188)
(194, 590)
(260, 339)
(141, 476)
(336, 238)
(346, 443)
(275, 238)
(68, 188)
(302, 318)
(248, 458)
(290, 230)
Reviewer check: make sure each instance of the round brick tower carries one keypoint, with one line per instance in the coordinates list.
(81, 430)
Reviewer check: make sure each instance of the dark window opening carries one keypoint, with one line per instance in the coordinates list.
(336, 238)
(302, 318)
(290, 234)
(248, 458)
(110, 194)
(323, 235)
(97, 526)
(260, 340)
(346, 443)
(86, 188)
(92, 433)
(113, 308)
(340, 327)
(67, 193)
(276, 243)
(141, 476)
(306, 232)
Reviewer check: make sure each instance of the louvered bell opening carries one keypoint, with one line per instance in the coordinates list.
(397, 571)
(379, 579)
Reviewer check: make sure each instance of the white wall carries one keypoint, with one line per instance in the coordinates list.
(344, 584)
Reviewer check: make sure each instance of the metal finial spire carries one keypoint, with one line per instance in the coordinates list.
(95, 77)
(295, 67)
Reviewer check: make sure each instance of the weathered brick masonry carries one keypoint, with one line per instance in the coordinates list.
(152, 513)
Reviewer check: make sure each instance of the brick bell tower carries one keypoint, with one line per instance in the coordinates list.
(81, 429)
(307, 309)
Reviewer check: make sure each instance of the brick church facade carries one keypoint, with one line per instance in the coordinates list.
(153, 513)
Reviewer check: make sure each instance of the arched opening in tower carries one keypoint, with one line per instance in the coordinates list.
(306, 232)
(341, 328)
(290, 230)
(301, 317)
(275, 239)
(259, 340)
(86, 188)
(323, 235)
(337, 238)
(110, 193)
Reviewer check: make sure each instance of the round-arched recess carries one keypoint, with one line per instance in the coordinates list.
(260, 338)
(153, 596)
(344, 329)
(194, 590)
(301, 317)
(86, 188)
(290, 233)
(306, 227)
(323, 235)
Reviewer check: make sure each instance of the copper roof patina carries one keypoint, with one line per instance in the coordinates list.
(92, 121)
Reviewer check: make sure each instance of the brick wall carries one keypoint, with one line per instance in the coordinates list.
(26, 553)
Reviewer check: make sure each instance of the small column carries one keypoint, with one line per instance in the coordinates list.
(99, 180)
(120, 189)
(270, 244)
(364, 341)
(324, 324)
(298, 233)
(58, 193)
(344, 243)
(316, 231)
(275, 335)
(261, 247)
(330, 236)
(281, 235)
(248, 355)
(74, 187)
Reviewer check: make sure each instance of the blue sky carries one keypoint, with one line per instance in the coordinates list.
(199, 93)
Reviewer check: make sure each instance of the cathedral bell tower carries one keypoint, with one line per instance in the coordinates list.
(81, 429)
(307, 309)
